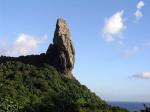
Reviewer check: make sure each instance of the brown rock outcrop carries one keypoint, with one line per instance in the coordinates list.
(61, 53)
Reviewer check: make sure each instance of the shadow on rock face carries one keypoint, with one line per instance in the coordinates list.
(61, 53)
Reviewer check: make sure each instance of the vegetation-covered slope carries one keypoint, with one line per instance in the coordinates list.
(29, 88)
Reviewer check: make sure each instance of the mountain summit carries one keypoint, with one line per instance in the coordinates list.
(61, 53)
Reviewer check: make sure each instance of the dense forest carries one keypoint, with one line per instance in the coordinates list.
(28, 85)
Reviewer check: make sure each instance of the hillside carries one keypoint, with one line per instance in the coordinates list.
(45, 83)
(27, 88)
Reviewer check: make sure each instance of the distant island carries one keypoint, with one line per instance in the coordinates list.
(146, 108)
(45, 83)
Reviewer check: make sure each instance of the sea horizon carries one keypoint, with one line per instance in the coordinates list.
(128, 101)
(131, 106)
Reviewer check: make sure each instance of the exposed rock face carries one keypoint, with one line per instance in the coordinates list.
(61, 53)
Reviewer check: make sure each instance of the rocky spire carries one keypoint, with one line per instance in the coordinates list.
(61, 53)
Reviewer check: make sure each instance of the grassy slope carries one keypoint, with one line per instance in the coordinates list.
(28, 88)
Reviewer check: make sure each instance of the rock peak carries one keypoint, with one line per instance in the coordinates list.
(61, 52)
(60, 21)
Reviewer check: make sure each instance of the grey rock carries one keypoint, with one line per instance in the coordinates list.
(61, 53)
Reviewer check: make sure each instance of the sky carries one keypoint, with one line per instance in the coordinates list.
(111, 40)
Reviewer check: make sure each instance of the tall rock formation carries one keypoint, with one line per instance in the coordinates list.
(61, 53)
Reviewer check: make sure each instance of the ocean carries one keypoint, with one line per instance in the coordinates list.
(131, 106)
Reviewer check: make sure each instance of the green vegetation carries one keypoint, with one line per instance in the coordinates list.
(29, 88)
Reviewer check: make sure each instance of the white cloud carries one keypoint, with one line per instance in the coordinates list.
(143, 75)
(146, 44)
(140, 5)
(24, 44)
(138, 14)
(131, 52)
(113, 27)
